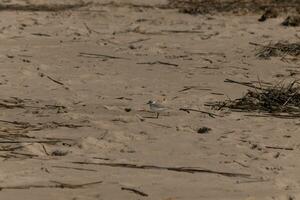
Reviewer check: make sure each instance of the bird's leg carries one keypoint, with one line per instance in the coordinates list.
(157, 114)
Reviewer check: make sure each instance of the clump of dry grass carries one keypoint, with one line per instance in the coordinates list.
(293, 20)
(280, 49)
(239, 6)
(280, 98)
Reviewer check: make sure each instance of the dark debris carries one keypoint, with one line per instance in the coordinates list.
(204, 130)
(279, 49)
(280, 98)
(194, 7)
(293, 20)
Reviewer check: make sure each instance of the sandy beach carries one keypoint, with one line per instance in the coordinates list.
(75, 80)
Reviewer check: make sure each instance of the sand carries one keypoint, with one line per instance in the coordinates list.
(74, 120)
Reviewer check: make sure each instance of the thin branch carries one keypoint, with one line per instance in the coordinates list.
(55, 81)
(75, 168)
(176, 169)
(94, 55)
(54, 184)
(242, 83)
(282, 148)
(28, 141)
(158, 62)
(194, 110)
(135, 191)
(42, 7)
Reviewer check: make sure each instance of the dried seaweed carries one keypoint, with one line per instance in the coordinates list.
(279, 49)
(293, 20)
(269, 13)
(42, 7)
(211, 6)
(276, 100)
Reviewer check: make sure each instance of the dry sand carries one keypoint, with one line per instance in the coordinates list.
(67, 78)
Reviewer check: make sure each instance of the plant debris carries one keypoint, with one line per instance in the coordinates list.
(269, 13)
(203, 130)
(291, 21)
(174, 169)
(59, 153)
(277, 99)
(209, 6)
(279, 49)
(42, 7)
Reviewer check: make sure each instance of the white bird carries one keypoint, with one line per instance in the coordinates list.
(156, 107)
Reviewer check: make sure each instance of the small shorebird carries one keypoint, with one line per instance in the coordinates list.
(156, 107)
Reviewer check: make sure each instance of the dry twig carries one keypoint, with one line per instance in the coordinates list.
(176, 169)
